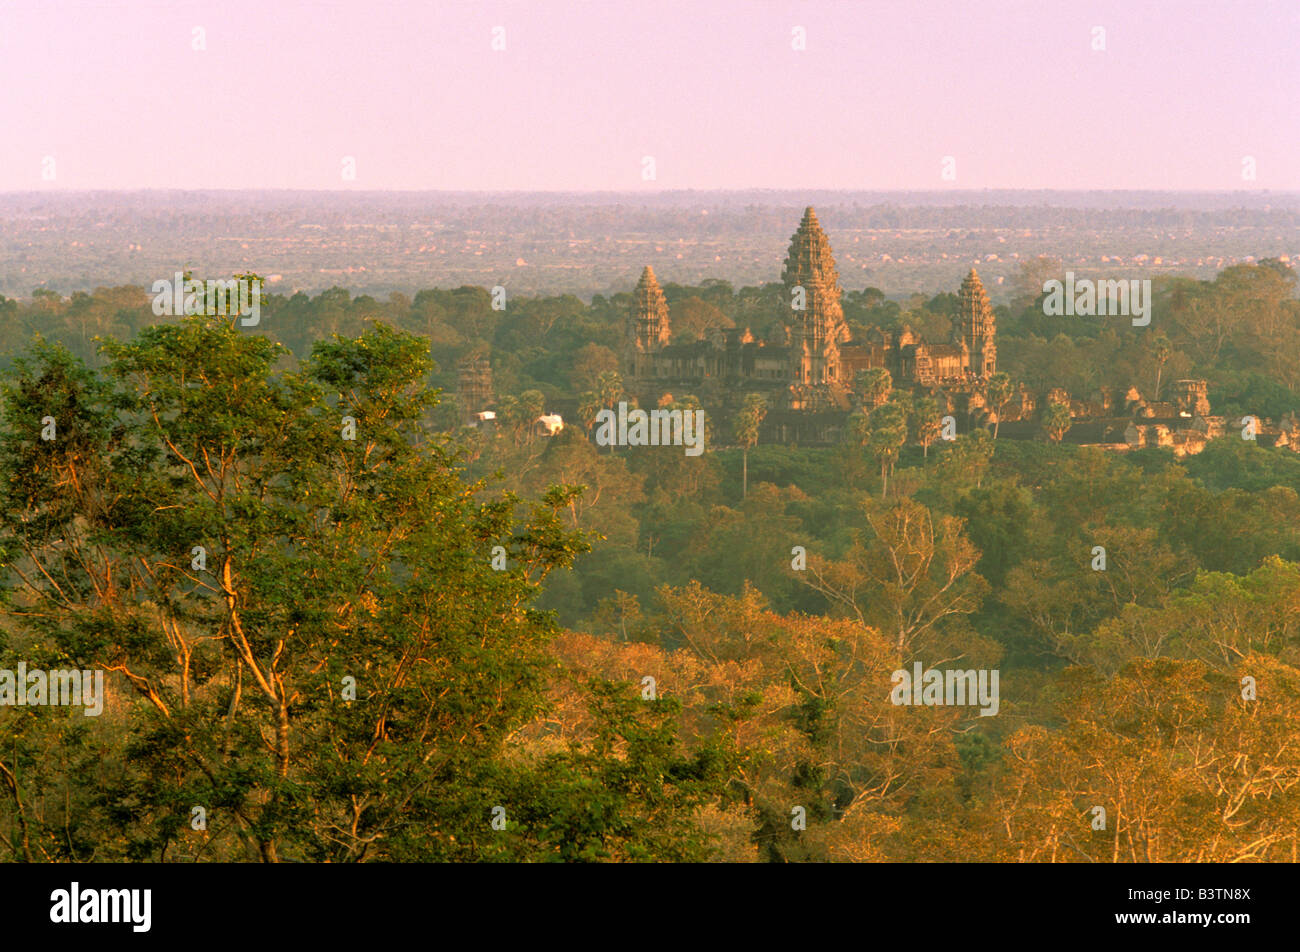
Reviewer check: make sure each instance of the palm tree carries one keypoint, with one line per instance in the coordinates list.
(588, 408)
(888, 434)
(746, 425)
(999, 394)
(1161, 351)
(858, 428)
(874, 385)
(510, 415)
(609, 390)
(609, 386)
(1056, 421)
(532, 404)
(927, 423)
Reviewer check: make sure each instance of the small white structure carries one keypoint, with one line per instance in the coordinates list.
(548, 424)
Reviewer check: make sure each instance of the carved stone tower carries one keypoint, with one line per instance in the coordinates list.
(473, 386)
(648, 329)
(813, 295)
(1192, 397)
(976, 326)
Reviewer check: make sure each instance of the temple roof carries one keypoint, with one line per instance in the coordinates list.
(809, 261)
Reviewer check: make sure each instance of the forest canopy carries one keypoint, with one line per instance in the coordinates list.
(339, 626)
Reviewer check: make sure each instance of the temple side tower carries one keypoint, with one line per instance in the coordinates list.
(813, 295)
(473, 386)
(648, 327)
(976, 326)
(1192, 397)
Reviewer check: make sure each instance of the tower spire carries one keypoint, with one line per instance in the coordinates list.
(816, 316)
(976, 325)
(809, 260)
(648, 326)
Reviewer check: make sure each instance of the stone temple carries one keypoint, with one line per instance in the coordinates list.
(810, 373)
(807, 374)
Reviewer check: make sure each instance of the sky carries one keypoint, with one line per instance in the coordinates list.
(915, 94)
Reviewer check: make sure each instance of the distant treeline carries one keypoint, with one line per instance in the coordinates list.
(1240, 331)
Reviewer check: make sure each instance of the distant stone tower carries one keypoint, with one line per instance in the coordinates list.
(648, 328)
(473, 386)
(1192, 396)
(818, 328)
(976, 326)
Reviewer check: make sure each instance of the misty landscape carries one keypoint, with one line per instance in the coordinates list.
(442, 435)
(594, 243)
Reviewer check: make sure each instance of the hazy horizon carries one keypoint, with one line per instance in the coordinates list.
(379, 242)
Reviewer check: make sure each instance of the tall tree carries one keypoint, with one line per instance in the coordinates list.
(1161, 351)
(294, 583)
(746, 424)
(999, 394)
(888, 434)
(926, 423)
(908, 572)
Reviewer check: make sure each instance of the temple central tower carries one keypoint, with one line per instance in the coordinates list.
(813, 292)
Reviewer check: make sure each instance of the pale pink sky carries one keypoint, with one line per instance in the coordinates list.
(712, 89)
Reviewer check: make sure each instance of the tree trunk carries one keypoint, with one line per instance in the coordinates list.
(744, 492)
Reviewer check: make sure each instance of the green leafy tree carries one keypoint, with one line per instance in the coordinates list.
(242, 546)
